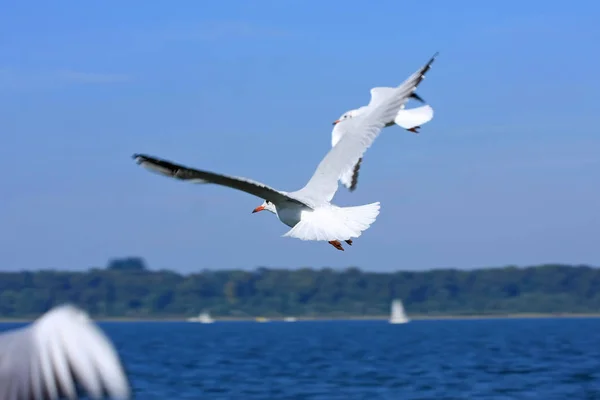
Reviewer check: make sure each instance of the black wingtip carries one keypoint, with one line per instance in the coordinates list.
(420, 75)
(432, 59)
(355, 176)
(417, 97)
(140, 157)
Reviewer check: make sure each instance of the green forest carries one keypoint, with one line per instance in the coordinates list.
(127, 288)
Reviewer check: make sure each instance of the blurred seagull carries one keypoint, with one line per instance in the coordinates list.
(46, 359)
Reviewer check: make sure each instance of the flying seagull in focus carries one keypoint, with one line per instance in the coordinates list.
(309, 211)
(411, 120)
(57, 353)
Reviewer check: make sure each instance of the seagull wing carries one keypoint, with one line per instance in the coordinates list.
(350, 177)
(63, 349)
(379, 95)
(359, 133)
(177, 171)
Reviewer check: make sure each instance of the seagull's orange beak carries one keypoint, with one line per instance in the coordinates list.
(336, 121)
(257, 209)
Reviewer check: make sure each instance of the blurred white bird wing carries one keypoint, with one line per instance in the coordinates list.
(47, 358)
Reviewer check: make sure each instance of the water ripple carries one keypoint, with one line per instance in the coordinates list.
(487, 359)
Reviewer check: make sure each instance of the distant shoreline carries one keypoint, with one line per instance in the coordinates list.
(349, 318)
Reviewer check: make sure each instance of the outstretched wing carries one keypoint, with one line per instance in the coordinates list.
(379, 95)
(181, 172)
(360, 132)
(41, 362)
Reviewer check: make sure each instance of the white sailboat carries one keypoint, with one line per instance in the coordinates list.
(203, 318)
(398, 315)
(290, 319)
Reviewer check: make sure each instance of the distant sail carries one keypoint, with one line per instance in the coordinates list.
(203, 318)
(398, 315)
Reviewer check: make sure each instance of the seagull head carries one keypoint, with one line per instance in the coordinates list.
(267, 205)
(346, 115)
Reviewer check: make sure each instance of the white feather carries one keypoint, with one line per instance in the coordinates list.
(334, 223)
(414, 117)
(39, 359)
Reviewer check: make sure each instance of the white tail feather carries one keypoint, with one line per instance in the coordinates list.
(335, 223)
(414, 117)
(360, 218)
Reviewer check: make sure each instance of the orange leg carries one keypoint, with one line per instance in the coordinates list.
(349, 241)
(414, 129)
(336, 244)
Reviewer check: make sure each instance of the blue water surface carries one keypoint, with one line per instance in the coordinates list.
(446, 359)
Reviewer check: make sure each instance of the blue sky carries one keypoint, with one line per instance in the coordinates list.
(507, 172)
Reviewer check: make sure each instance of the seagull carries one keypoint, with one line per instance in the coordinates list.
(48, 358)
(309, 211)
(410, 119)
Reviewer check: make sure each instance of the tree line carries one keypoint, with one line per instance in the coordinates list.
(127, 288)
